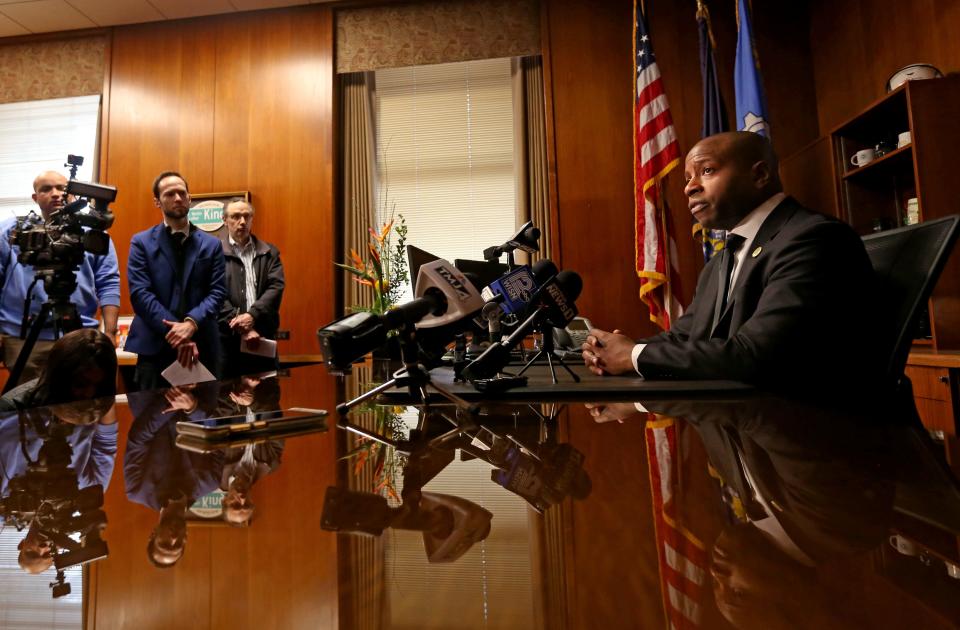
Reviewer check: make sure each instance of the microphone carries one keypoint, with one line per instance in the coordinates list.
(512, 290)
(515, 289)
(553, 304)
(462, 298)
(492, 313)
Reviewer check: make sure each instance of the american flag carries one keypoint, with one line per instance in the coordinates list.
(655, 153)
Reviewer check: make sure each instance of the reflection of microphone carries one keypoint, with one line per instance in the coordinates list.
(450, 525)
(553, 304)
(544, 481)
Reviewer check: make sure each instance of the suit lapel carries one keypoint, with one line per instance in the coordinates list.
(163, 245)
(190, 256)
(768, 230)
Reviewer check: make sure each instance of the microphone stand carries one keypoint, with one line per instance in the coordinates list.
(413, 376)
(547, 351)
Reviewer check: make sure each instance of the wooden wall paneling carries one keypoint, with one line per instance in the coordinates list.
(274, 137)
(936, 132)
(857, 45)
(808, 176)
(160, 118)
(591, 70)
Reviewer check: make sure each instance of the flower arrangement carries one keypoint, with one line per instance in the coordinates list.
(385, 272)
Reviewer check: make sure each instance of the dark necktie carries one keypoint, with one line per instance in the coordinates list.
(727, 262)
(179, 254)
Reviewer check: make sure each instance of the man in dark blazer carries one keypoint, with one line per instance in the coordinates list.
(787, 306)
(176, 278)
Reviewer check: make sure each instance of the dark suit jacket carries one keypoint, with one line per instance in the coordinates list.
(800, 313)
(155, 290)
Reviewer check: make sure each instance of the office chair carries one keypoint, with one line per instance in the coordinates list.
(908, 262)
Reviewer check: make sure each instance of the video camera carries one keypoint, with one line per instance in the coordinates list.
(59, 243)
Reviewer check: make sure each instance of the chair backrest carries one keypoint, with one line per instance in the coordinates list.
(908, 262)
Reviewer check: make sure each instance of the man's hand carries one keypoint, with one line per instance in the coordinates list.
(612, 411)
(180, 399)
(188, 354)
(608, 353)
(242, 323)
(112, 336)
(252, 338)
(180, 332)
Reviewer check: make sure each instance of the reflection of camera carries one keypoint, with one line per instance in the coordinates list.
(47, 498)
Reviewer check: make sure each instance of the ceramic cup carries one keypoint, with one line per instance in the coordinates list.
(903, 545)
(863, 157)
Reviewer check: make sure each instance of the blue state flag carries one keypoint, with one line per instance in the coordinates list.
(751, 102)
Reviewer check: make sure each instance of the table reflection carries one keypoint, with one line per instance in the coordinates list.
(711, 508)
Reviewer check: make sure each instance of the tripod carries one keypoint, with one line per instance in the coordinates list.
(66, 319)
(413, 376)
(548, 352)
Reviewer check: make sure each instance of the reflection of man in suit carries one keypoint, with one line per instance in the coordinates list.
(788, 302)
(176, 277)
(806, 484)
(162, 476)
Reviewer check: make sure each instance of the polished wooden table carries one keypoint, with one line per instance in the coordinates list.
(710, 509)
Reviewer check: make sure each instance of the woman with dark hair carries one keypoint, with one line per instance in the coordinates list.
(82, 365)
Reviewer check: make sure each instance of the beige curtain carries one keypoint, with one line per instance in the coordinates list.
(359, 176)
(530, 149)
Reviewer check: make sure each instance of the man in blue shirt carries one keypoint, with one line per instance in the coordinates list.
(98, 284)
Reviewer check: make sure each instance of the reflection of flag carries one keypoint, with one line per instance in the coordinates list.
(714, 116)
(682, 556)
(655, 153)
(751, 103)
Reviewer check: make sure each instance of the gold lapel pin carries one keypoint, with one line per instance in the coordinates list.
(756, 252)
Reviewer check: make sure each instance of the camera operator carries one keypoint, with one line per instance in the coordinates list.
(98, 284)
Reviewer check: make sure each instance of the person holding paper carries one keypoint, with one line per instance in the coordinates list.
(250, 314)
(176, 278)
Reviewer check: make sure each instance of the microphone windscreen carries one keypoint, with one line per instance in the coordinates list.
(543, 270)
(570, 283)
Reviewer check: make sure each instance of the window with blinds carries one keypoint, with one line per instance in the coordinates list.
(37, 136)
(445, 155)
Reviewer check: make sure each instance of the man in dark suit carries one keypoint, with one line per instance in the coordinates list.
(786, 306)
(176, 278)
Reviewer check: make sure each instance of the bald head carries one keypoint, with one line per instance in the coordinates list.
(49, 192)
(747, 148)
(728, 175)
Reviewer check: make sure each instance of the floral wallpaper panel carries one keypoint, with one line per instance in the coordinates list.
(436, 32)
(51, 69)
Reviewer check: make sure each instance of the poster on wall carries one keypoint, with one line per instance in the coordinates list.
(206, 209)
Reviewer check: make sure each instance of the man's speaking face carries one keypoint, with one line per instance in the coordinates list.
(50, 192)
(720, 186)
(174, 199)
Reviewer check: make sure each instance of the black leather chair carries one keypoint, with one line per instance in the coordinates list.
(908, 262)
